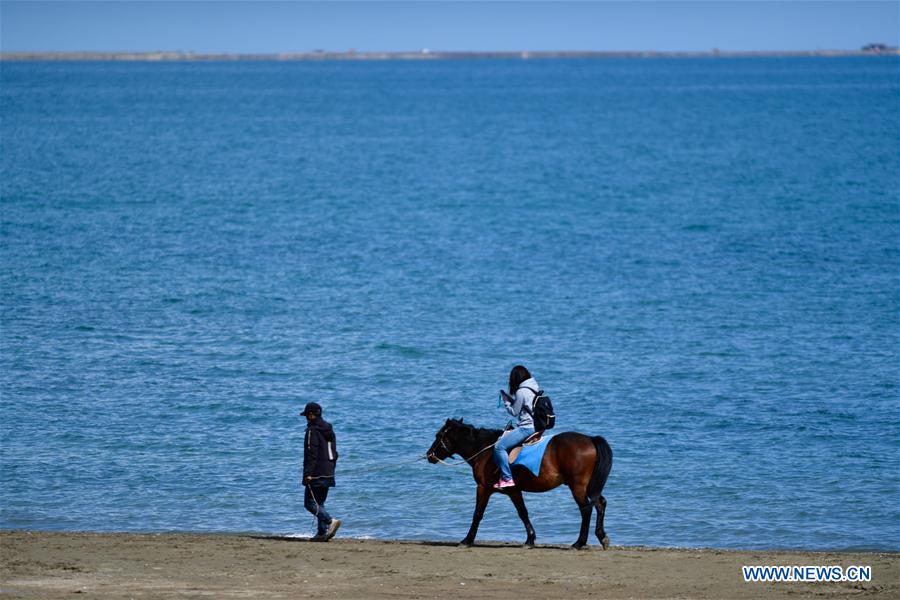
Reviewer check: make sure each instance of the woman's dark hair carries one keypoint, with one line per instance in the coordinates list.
(517, 376)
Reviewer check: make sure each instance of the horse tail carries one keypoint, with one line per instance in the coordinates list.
(601, 469)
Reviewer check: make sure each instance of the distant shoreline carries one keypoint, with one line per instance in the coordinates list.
(166, 56)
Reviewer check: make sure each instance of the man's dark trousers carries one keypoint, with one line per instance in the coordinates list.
(314, 500)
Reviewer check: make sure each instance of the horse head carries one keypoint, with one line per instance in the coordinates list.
(443, 446)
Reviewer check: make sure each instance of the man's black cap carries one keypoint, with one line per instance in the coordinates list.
(312, 409)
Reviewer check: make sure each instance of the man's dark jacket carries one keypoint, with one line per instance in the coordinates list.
(319, 453)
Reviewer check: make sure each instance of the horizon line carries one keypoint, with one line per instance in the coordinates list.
(425, 54)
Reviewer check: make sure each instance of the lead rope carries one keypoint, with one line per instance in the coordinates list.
(372, 469)
(465, 462)
(353, 472)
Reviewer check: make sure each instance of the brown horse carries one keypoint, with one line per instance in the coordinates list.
(581, 462)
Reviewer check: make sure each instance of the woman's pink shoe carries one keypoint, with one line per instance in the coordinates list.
(504, 483)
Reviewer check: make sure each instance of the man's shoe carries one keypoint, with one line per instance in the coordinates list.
(332, 529)
(504, 483)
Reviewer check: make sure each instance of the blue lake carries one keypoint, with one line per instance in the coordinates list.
(698, 259)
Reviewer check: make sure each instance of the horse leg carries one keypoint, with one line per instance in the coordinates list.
(482, 494)
(516, 496)
(601, 512)
(585, 506)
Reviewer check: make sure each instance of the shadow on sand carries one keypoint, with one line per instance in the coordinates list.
(435, 543)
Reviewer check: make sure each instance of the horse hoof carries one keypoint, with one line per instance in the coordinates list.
(528, 545)
(464, 544)
(605, 542)
(578, 547)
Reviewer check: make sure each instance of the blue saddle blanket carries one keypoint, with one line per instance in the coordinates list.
(531, 456)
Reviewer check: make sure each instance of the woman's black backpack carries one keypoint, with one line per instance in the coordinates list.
(541, 410)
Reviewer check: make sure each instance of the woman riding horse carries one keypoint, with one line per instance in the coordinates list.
(579, 461)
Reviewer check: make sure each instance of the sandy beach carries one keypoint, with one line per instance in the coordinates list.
(58, 565)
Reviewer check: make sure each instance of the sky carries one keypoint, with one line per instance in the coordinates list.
(263, 26)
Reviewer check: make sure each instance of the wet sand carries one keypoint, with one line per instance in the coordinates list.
(90, 565)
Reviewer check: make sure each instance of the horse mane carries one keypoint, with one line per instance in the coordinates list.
(476, 433)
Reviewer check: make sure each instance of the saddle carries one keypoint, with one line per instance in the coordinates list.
(532, 440)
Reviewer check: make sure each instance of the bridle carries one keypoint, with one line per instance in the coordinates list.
(444, 444)
(450, 452)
